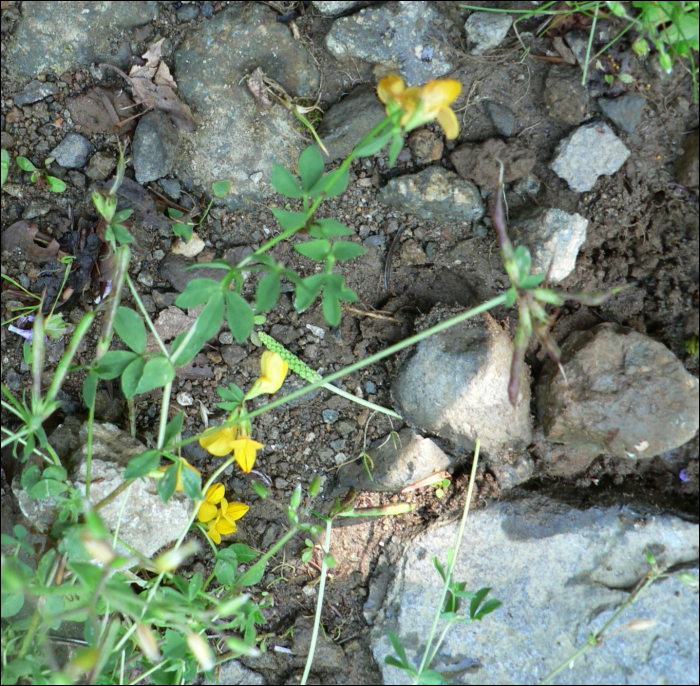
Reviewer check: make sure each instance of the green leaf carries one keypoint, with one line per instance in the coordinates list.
(307, 290)
(46, 488)
(173, 428)
(184, 231)
(113, 363)
(547, 296)
(225, 570)
(289, 221)
(243, 552)
(55, 185)
(344, 250)
(310, 167)
(196, 292)
(122, 216)
(221, 188)
(521, 255)
(511, 296)
(477, 600)
(284, 183)
(374, 145)
(253, 575)
(487, 608)
(131, 329)
(131, 376)
(11, 604)
(239, 315)
(205, 327)
(329, 228)
(119, 233)
(531, 281)
(340, 184)
(191, 483)
(105, 204)
(330, 306)
(142, 464)
(157, 372)
(232, 393)
(90, 389)
(55, 472)
(395, 148)
(4, 166)
(24, 164)
(398, 647)
(268, 292)
(167, 485)
(318, 249)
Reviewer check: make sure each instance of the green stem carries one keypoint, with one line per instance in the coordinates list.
(244, 577)
(167, 390)
(361, 401)
(319, 602)
(428, 654)
(391, 350)
(149, 323)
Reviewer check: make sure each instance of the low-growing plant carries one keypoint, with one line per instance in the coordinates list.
(162, 631)
(54, 184)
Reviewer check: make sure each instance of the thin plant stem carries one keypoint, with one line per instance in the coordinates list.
(319, 602)
(391, 350)
(589, 47)
(429, 654)
(149, 323)
(361, 401)
(167, 390)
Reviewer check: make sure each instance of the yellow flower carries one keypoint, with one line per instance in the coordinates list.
(219, 442)
(421, 104)
(221, 520)
(274, 370)
(244, 450)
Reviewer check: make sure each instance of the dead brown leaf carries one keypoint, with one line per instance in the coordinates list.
(258, 89)
(25, 238)
(563, 49)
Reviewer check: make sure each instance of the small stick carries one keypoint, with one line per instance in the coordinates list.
(390, 254)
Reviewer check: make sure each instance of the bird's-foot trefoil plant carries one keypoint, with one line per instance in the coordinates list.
(150, 619)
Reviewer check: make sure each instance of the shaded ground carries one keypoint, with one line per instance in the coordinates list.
(642, 228)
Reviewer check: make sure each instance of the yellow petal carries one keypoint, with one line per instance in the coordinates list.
(244, 452)
(215, 493)
(225, 527)
(213, 532)
(274, 370)
(390, 88)
(448, 121)
(440, 93)
(206, 512)
(219, 443)
(235, 510)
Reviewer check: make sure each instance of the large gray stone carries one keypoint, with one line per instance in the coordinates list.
(625, 112)
(155, 147)
(434, 193)
(486, 30)
(58, 36)
(73, 151)
(237, 139)
(624, 394)
(348, 121)
(592, 150)
(405, 37)
(560, 573)
(455, 385)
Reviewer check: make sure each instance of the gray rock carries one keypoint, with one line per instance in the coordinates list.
(101, 166)
(348, 121)
(37, 208)
(578, 42)
(592, 150)
(624, 395)
(560, 573)
(565, 97)
(529, 185)
(233, 672)
(397, 461)
(625, 112)
(405, 37)
(330, 416)
(187, 12)
(155, 147)
(58, 38)
(144, 521)
(328, 656)
(35, 91)
(455, 385)
(486, 30)
(554, 238)
(335, 8)
(502, 117)
(236, 139)
(233, 355)
(65, 437)
(425, 146)
(478, 162)
(172, 269)
(434, 193)
(73, 151)
(171, 187)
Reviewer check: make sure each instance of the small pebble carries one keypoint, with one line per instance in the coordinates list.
(330, 416)
(185, 399)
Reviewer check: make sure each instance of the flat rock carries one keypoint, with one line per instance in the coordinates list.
(625, 112)
(58, 37)
(554, 238)
(35, 91)
(560, 573)
(397, 461)
(155, 147)
(590, 151)
(565, 97)
(478, 161)
(454, 385)
(624, 395)
(502, 117)
(73, 151)
(486, 30)
(434, 193)
(334, 8)
(347, 122)
(237, 139)
(404, 37)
